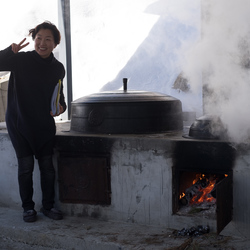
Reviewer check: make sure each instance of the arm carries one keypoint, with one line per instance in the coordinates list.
(6, 59)
(7, 56)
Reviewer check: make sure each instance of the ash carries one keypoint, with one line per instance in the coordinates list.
(205, 210)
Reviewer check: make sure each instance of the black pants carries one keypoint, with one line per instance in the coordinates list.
(25, 180)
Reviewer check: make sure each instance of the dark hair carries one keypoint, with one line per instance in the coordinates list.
(49, 26)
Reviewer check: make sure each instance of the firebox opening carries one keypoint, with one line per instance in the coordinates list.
(203, 194)
(197, 193)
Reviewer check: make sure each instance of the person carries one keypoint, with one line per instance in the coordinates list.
(29, 120)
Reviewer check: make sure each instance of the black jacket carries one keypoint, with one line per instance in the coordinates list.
(30, 89)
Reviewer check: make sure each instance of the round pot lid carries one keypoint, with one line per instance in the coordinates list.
(126, 112)
(124, 96)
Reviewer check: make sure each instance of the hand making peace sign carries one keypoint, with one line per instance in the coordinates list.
(17, 47)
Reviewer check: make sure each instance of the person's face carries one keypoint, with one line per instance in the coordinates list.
(44, 42)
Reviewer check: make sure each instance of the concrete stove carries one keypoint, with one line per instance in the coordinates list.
(139, 177)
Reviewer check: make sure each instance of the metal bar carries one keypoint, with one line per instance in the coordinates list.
(66, 20)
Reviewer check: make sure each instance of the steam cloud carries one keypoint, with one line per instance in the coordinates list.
(223, 57)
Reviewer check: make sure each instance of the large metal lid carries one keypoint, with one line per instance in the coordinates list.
(126, 112)
(125, 96)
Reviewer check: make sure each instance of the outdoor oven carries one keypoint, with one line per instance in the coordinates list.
(154, 121)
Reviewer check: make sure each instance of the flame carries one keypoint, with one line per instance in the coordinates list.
(182, 195)
(204, 194)
(199, 177)
(205, 186)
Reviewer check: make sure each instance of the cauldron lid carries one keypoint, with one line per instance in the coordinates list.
(125, 96)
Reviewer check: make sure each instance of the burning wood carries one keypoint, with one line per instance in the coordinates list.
(200, 191)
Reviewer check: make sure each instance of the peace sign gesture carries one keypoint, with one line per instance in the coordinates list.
(17, 47)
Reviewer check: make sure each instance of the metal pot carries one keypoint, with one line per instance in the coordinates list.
(207, 127)
(126, 112)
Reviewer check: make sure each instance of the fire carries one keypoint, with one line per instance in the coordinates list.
(182, 195)
(201, 190)
(204, 194)
(199, 177)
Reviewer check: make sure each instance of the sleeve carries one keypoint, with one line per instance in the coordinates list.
(7, 60)
(62, 99)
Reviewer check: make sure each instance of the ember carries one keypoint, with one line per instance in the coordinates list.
(201, 191)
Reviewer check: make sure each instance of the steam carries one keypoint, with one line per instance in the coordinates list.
(223, 57)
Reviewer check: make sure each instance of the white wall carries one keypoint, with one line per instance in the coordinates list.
(8, 179)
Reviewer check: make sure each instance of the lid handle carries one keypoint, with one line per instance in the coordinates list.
(125, 81)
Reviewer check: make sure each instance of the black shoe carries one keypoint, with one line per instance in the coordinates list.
(30, 215)
(53, 213)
